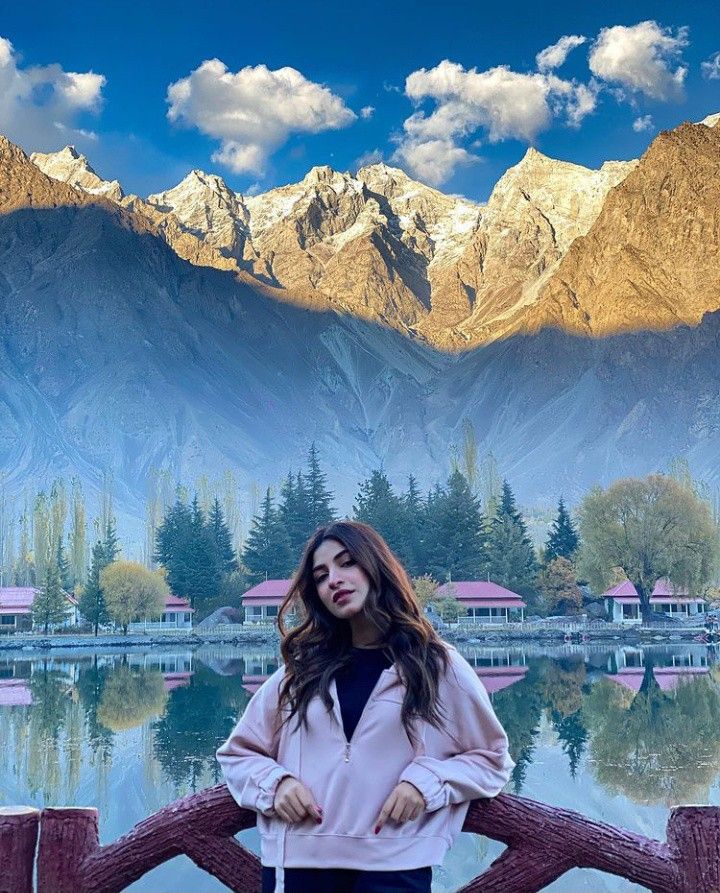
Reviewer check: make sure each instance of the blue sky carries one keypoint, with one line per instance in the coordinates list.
(453, 92)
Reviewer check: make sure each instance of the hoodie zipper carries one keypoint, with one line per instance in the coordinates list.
(367, 703)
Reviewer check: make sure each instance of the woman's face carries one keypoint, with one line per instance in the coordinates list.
(341, 583)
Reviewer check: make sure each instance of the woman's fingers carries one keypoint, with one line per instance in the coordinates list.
(308, 803)
(405, 803)
(296, 804)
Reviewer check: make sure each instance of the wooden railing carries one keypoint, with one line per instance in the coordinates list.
(543, 843)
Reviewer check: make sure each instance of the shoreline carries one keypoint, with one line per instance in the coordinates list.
(270, 637)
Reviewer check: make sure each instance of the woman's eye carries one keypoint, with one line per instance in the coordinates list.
(348, 562)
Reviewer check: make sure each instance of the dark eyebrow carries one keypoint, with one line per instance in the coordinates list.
(341, 552)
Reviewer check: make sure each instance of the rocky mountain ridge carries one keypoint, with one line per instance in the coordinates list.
(119, 354)
(380, 245)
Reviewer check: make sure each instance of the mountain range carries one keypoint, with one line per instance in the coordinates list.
(572, 319)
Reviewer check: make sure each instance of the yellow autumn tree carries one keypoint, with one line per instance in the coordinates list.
(132, 592)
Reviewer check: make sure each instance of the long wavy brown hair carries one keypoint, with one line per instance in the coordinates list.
(320, 645)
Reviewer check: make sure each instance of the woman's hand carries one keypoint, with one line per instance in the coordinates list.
(294, 802)
(404, 804)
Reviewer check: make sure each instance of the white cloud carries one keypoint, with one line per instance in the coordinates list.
(433, 161)
(253, 111)
(645, 122)
(375, 156)
(554, 56)
(582, 102)
(367, 111)
(640, 58)
(40, 104)
(711, 68)
(505, 103)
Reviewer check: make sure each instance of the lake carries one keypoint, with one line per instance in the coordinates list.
(618, 733)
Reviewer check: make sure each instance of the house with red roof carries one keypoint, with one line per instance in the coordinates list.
(16, 608)
(177, 615)
(261, 603)
(623, 603)
(482, 601)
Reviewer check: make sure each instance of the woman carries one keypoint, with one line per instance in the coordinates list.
(394, 732)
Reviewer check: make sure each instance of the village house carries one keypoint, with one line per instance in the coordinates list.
(261, 603)
(177, 615)
(482, 601)
(16, 608)
(623, 603)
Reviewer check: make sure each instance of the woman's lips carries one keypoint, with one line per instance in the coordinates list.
(341, 597)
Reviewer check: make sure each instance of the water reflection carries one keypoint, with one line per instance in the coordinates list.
(653, 727)
(641, 723)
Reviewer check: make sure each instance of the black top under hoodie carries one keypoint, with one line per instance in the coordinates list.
(356, 682)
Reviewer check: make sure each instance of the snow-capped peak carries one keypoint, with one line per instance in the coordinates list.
(69, 166)
(711, 120)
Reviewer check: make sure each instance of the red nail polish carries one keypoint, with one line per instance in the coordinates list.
(377, 828)
(319, 821)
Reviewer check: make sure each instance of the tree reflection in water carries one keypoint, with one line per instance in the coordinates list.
(131, 696)
(198, 718)
(519, 709)
(90, 686)
(51, 692)
(653, 746)
(564, 686)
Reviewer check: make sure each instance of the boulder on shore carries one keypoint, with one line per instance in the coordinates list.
(222, 616)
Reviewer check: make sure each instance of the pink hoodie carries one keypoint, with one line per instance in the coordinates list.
(352, 780)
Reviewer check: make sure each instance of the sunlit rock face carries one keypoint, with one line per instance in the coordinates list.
(650, 260)
(380, 245)
(73, 168)
(198, 330)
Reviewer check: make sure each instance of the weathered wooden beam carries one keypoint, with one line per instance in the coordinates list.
(543, 843)
(70, 859)
(18, 838)
(536, 831)
(693, 834)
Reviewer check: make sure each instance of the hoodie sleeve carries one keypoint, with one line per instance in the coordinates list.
(481, 765)
(249, 756)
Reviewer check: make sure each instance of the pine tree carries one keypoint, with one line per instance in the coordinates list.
(267, 550)
(377, 505)
(91, 603)
(511, 557)
(293, 509)
(173, 548)
(563, 539)
(319, 498)
(50, 605)
(203, 564)
(414, 511)
(224, 553)
(456, 550)
(111, 546)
